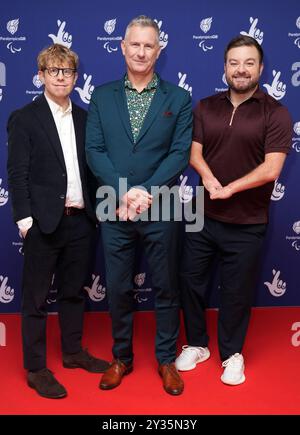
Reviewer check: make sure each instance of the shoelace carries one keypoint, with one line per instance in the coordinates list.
(189, 349)
(233, 360)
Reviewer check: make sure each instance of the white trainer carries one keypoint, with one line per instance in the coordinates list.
(190, 357)
(234, 370)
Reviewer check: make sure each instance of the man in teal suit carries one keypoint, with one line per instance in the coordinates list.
(139, 128)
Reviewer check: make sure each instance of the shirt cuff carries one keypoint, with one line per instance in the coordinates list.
(25, 224)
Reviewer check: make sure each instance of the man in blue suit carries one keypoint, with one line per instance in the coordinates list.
(139, 128)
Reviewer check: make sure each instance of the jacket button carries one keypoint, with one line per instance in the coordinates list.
(63, 174)
(131, 173)
(62, 196)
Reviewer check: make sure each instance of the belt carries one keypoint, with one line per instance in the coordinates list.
(72, 211)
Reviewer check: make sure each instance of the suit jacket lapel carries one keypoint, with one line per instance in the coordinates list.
(121, 102)
(158, 100)
(46, 119)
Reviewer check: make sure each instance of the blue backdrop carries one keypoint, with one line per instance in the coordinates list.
(194, 34)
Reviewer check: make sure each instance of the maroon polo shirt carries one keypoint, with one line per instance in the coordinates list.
(235, 144)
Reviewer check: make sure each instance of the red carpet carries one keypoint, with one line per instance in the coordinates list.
(272, 372)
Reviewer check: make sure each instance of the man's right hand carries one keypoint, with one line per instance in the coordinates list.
(138, 199)
(24, 225)
(23, 233)
(134, 202)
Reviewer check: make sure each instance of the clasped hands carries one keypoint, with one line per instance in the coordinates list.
(134, 202)
(216, 190)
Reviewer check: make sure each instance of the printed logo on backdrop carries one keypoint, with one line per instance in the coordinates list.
(206, 41)
(13, 42)
(163, 36)
(2, 334)
(276, 89)
(225, 83)
(278, 191)
(19, 244)
(86, 91)
(254, 31)
(97, 291)
(294, 240)
(296, 35)
(7, 293)
(38, 85)
(61, 37)
(296, 139)
(295, 340)
(277, 287)
(2, 78)
(295, 80)
(110, 41)
(141, 294)
(3, 194)
(182, 83)
(185, 191)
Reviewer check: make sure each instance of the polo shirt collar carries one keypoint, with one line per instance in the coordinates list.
(258, 95)
(151, 85)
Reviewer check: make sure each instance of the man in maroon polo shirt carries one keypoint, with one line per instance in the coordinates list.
(240, 141)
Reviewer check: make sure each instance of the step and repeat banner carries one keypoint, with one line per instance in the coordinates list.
(193, 36)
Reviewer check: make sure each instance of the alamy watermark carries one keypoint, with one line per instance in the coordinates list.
(166, 205)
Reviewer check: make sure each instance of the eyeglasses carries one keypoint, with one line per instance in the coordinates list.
(67, 72)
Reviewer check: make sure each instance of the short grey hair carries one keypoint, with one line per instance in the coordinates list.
(143, 21)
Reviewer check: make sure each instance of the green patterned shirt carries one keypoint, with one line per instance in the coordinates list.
(138, 103)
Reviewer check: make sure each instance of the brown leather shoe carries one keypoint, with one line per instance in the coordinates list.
(114, 374)
(172, 382)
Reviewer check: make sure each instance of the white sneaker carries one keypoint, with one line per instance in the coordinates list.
(234, 370)
(190, 357)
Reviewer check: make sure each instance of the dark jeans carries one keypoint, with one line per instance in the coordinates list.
(238, 247)
(68, 250)
(160, 242)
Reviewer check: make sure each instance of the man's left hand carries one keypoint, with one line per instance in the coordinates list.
(222, 193)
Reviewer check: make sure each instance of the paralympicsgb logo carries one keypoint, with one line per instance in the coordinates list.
(296, 139)
(206, 40)
(12, 26)
(110, 25)
(110, 41)
(296, 35)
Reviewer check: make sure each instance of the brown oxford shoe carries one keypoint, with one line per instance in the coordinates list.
(114, 374)
(172, 382)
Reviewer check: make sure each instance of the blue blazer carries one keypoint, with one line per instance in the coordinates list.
(162, 149)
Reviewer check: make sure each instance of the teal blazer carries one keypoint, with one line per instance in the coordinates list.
(162, 149)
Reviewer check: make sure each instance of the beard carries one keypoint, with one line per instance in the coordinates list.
(242, 88)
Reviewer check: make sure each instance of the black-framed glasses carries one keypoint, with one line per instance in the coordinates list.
(54, 71)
